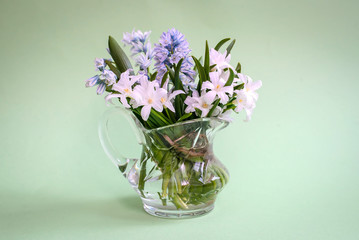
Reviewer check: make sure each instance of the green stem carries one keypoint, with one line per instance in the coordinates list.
(178, 202)
(141, 180)
(161, 116)
(178, 181)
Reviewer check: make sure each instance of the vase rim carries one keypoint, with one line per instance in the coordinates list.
(138, 123)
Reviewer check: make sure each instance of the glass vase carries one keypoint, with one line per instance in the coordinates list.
(177, 175)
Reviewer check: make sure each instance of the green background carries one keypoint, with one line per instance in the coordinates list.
(294, 168)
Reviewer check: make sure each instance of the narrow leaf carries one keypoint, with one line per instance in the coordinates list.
(230, 46)
(230, 78)
(206, 61)
(239, 68)
(118, 55)
(153, 76)
(215, 104)
(164, 78)
(170, 72)
(177, 80)
(200, 59)
(179, 106)
(239, 87)
(201, 73)
(160, 117)
(219, 45)
(229, 108)
(185, 116)
(113, 68)
(170, 115)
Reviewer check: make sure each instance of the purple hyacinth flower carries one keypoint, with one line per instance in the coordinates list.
(172, 47)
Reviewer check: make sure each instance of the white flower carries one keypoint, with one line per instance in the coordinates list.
(203, 103)
(226, 116)
(246, 98)
(250, 87)
(166, 98)
(219, 59)
(100, 64)
(124, 88)
(241, 101)
(217, 87)
(149, 98)
(241, 78)
(190, 100)
(108, 77)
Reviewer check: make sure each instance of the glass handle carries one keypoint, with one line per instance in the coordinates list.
(116, 157)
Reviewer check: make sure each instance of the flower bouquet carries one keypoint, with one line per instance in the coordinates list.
(177, 102)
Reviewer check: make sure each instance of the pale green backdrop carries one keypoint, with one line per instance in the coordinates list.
(294, 168)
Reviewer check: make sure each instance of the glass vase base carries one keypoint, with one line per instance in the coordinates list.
(177, 214)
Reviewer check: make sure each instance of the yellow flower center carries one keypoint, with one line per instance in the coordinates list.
(150, 100)
(240, 100)
(205, 105)
(247, 89)
(127, 90)
(218, 87)
(163, 100)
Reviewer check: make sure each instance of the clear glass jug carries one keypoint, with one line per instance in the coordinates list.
(177, 175)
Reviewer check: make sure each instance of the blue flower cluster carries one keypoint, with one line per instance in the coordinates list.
(104, 79)
(172, 47)
(141, 47)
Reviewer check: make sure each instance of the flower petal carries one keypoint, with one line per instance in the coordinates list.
(207, 85)
(92, 81)
(109, 97)
(157, 105)
(209, 97)
(101, 88)
(175, 93)
(223, 96)
(169, 105)
(145, 112)
(124, 102)
(256, 85)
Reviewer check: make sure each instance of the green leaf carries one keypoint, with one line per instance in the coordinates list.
(239, 87)
(177, 81)
(170, 72)
(230, 101)
(219, 45)
(170, 115)
(113, 68)
(206, 61)
(185, 116)
(239, 68)
(153, 76)
(201, 73)
(212, 66)
(230, 46)
(179, 106)
(215, 104)
(160, 117)
(230, 78)
(230, 107)
(164, 78)
(118, 55)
